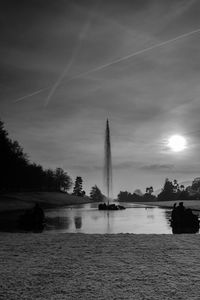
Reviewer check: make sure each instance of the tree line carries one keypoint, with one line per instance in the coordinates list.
(136, 196)
(171, 190)
(19, 174)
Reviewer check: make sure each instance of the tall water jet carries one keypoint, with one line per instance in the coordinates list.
(108, 162)
(108, 173)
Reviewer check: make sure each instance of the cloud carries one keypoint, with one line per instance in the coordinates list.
(139, 165)
(158, 167)
(125, 165)
(146, 98)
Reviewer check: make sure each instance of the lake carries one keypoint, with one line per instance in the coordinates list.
(86, 218)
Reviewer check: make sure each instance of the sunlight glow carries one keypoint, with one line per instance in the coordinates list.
(177, 143)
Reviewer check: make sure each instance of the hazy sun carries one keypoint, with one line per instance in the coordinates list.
(177, 143)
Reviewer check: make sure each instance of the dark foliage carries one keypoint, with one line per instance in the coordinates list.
(96, 194)
(148, 197)
(62, 180)
(19, 174)
(196, 185)
(172, 191)
(167, 192)
(78, 187)
(128, 197)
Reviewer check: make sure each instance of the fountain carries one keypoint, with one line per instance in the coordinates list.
(108, 172)
(107, 162)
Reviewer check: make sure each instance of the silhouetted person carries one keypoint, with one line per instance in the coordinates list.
(181, 208)
(189, 216)
(174, 212)
(78, 222)
(38, 215)
(183, 220)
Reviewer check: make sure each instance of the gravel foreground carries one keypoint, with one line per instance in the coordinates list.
(80, 266)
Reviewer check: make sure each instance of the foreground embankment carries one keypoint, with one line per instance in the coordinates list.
(26, 200)
(77, 266)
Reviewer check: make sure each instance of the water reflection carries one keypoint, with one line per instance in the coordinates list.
(78, 222)
(168, 217)
(86, 218)
(57, 223)
(150, 216)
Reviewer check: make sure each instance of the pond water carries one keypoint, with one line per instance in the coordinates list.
(86, 218)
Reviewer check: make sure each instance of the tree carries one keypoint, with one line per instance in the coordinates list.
(63, 181)
(49, 180)
(183, 195)
(176, 186)
(149, 190)
(95, 194)
(78, 189)
(196, 184)
(19, 174)
(13, 162)
(124, 196)
(167, 191)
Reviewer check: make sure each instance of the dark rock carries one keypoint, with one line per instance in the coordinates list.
(105, 206)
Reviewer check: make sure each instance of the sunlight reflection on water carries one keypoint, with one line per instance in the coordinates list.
(86, 218)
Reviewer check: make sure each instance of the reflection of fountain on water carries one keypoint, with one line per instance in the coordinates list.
(108, 163)
(78, 222)
(132, 220)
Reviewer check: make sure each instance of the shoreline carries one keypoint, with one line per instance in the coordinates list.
(25, 200)
(13, 205)
(193, 204)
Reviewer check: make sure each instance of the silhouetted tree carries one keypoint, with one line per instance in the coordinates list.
(137, 197)
(196, 184)
(63, 181)
(18, 174)
(149, 190)
(49, 180)
(128, 197)
(124, 196)
(95, 194)
(183, 195)
(167, 192)
(12, 162)
(176, 186)
(78, 187)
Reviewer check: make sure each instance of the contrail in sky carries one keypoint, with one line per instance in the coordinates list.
(104, 66)
(32, 94)
(53, 88)
(134, 54)
(62, 76)
(82, 35)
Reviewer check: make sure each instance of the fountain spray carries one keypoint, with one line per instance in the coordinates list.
(108, 162)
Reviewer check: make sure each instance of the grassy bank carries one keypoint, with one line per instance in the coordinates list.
(26, 200)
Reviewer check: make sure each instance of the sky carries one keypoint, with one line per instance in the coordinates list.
(67, 66)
